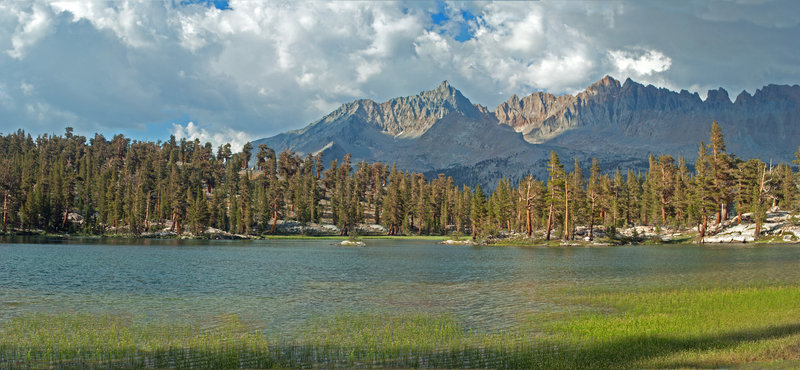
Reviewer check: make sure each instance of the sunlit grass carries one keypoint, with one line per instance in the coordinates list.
(697, 327)
(686, 327)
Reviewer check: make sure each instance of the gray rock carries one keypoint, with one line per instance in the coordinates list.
(441, 131)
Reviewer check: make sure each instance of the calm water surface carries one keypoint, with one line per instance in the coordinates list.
(281, 284)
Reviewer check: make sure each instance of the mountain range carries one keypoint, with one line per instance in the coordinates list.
(621, 124)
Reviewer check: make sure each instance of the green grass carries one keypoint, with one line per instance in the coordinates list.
(685, 328)
(95, 340)
(667, 328)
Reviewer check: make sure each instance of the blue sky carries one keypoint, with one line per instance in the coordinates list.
(459, 24)
(241, 70)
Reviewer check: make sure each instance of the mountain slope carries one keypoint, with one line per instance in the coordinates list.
(431, 132)
(441, 131)
(630, 118)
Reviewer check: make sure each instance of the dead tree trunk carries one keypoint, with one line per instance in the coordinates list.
(566, 212)
(549, 221)
(725, 212)
(147, 214)
(703, 228)
(5, 212)
(757, 231)
(528, 220)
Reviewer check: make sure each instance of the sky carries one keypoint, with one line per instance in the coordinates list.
(234, 71)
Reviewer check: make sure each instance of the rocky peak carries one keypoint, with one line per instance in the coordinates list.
(778, 92)
(628, 84)
(743, 98)
(445, 96)
(604, 84)
(410, 116)
(607, 81)
(444, 89)
(717, 98)
(533, 111)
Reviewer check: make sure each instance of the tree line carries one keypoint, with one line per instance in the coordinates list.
(68, 184)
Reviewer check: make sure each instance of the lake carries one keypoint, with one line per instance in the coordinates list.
(279, 285)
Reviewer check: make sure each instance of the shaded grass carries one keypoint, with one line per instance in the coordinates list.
(700, 327)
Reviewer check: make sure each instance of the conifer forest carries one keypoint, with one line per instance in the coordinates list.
(100, 186)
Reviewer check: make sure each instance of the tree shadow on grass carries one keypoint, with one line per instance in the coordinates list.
(635, 351)
(625, 353)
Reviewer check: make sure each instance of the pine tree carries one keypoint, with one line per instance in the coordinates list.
(681, 193)
(593, 193)
(556, 190)
(477, 213)
(634, 196)
(247, 150)
(665, 186)
(422, 196)
(787, 187)
(720, 164)
(759, 209)
(394, 205)
(620, 195)
(503, 204)
(576, 203)
(703, 197)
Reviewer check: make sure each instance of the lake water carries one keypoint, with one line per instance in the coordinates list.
(278, 285)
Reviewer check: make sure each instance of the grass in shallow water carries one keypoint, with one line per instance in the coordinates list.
(701, 327)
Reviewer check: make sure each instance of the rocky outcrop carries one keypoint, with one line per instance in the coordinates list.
(779, 224)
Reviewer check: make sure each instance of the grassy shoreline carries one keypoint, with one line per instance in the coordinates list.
(674, 328)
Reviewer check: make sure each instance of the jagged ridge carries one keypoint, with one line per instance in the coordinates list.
(621, 123)
(411, 116)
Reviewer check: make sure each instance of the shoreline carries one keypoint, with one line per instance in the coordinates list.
(45, 235)
(445, 240)
(779, 227)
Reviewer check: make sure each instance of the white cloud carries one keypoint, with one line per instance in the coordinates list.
(642, 63)
(265, 66)
(27, 89)
(128, 20)
(32, 26)
(192, 131)
(526, 34)
(564, 70)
